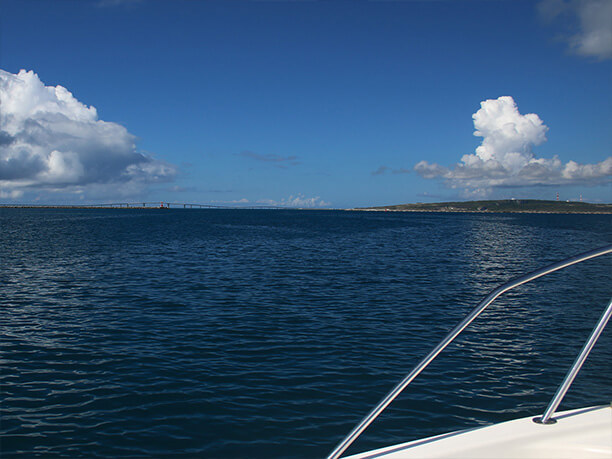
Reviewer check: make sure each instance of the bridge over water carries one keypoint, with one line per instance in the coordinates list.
(138, 205)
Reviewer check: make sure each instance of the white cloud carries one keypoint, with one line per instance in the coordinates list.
(593, 37)
(51, 141)
(233, 201)
(292, 201)
(14, 194)
(505, 157)
(302, 201)
(296, 201)
(507, 136)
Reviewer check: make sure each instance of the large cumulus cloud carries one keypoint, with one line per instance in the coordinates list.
(505, 157)
(51, 141)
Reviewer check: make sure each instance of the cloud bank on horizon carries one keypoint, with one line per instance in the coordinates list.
(299, 200)
(50, 141)
(505, 157)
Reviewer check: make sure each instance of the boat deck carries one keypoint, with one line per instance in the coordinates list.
(583, 433)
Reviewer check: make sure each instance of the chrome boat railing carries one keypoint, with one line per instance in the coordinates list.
(573, 371)
(547, 416)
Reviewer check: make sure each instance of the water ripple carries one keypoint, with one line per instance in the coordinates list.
(131, 333)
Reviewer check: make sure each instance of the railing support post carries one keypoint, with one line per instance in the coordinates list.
(573, 371)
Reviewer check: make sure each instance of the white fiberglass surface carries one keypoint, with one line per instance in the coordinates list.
(583, 433)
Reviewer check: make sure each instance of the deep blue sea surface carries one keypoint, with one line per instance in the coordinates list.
(271, 333)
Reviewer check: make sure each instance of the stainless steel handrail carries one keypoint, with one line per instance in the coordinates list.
(573, 371)
(386, 401)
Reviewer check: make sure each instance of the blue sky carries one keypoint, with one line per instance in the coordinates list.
(324, 103)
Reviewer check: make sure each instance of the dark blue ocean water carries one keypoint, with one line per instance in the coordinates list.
(260, 334)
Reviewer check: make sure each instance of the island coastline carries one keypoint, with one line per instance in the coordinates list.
(529, 206)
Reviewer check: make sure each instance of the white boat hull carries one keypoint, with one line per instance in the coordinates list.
(583, 433)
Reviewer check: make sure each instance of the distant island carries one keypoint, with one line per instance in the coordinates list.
(506, 205)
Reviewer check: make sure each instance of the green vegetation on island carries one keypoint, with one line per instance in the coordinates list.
(507, 205)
